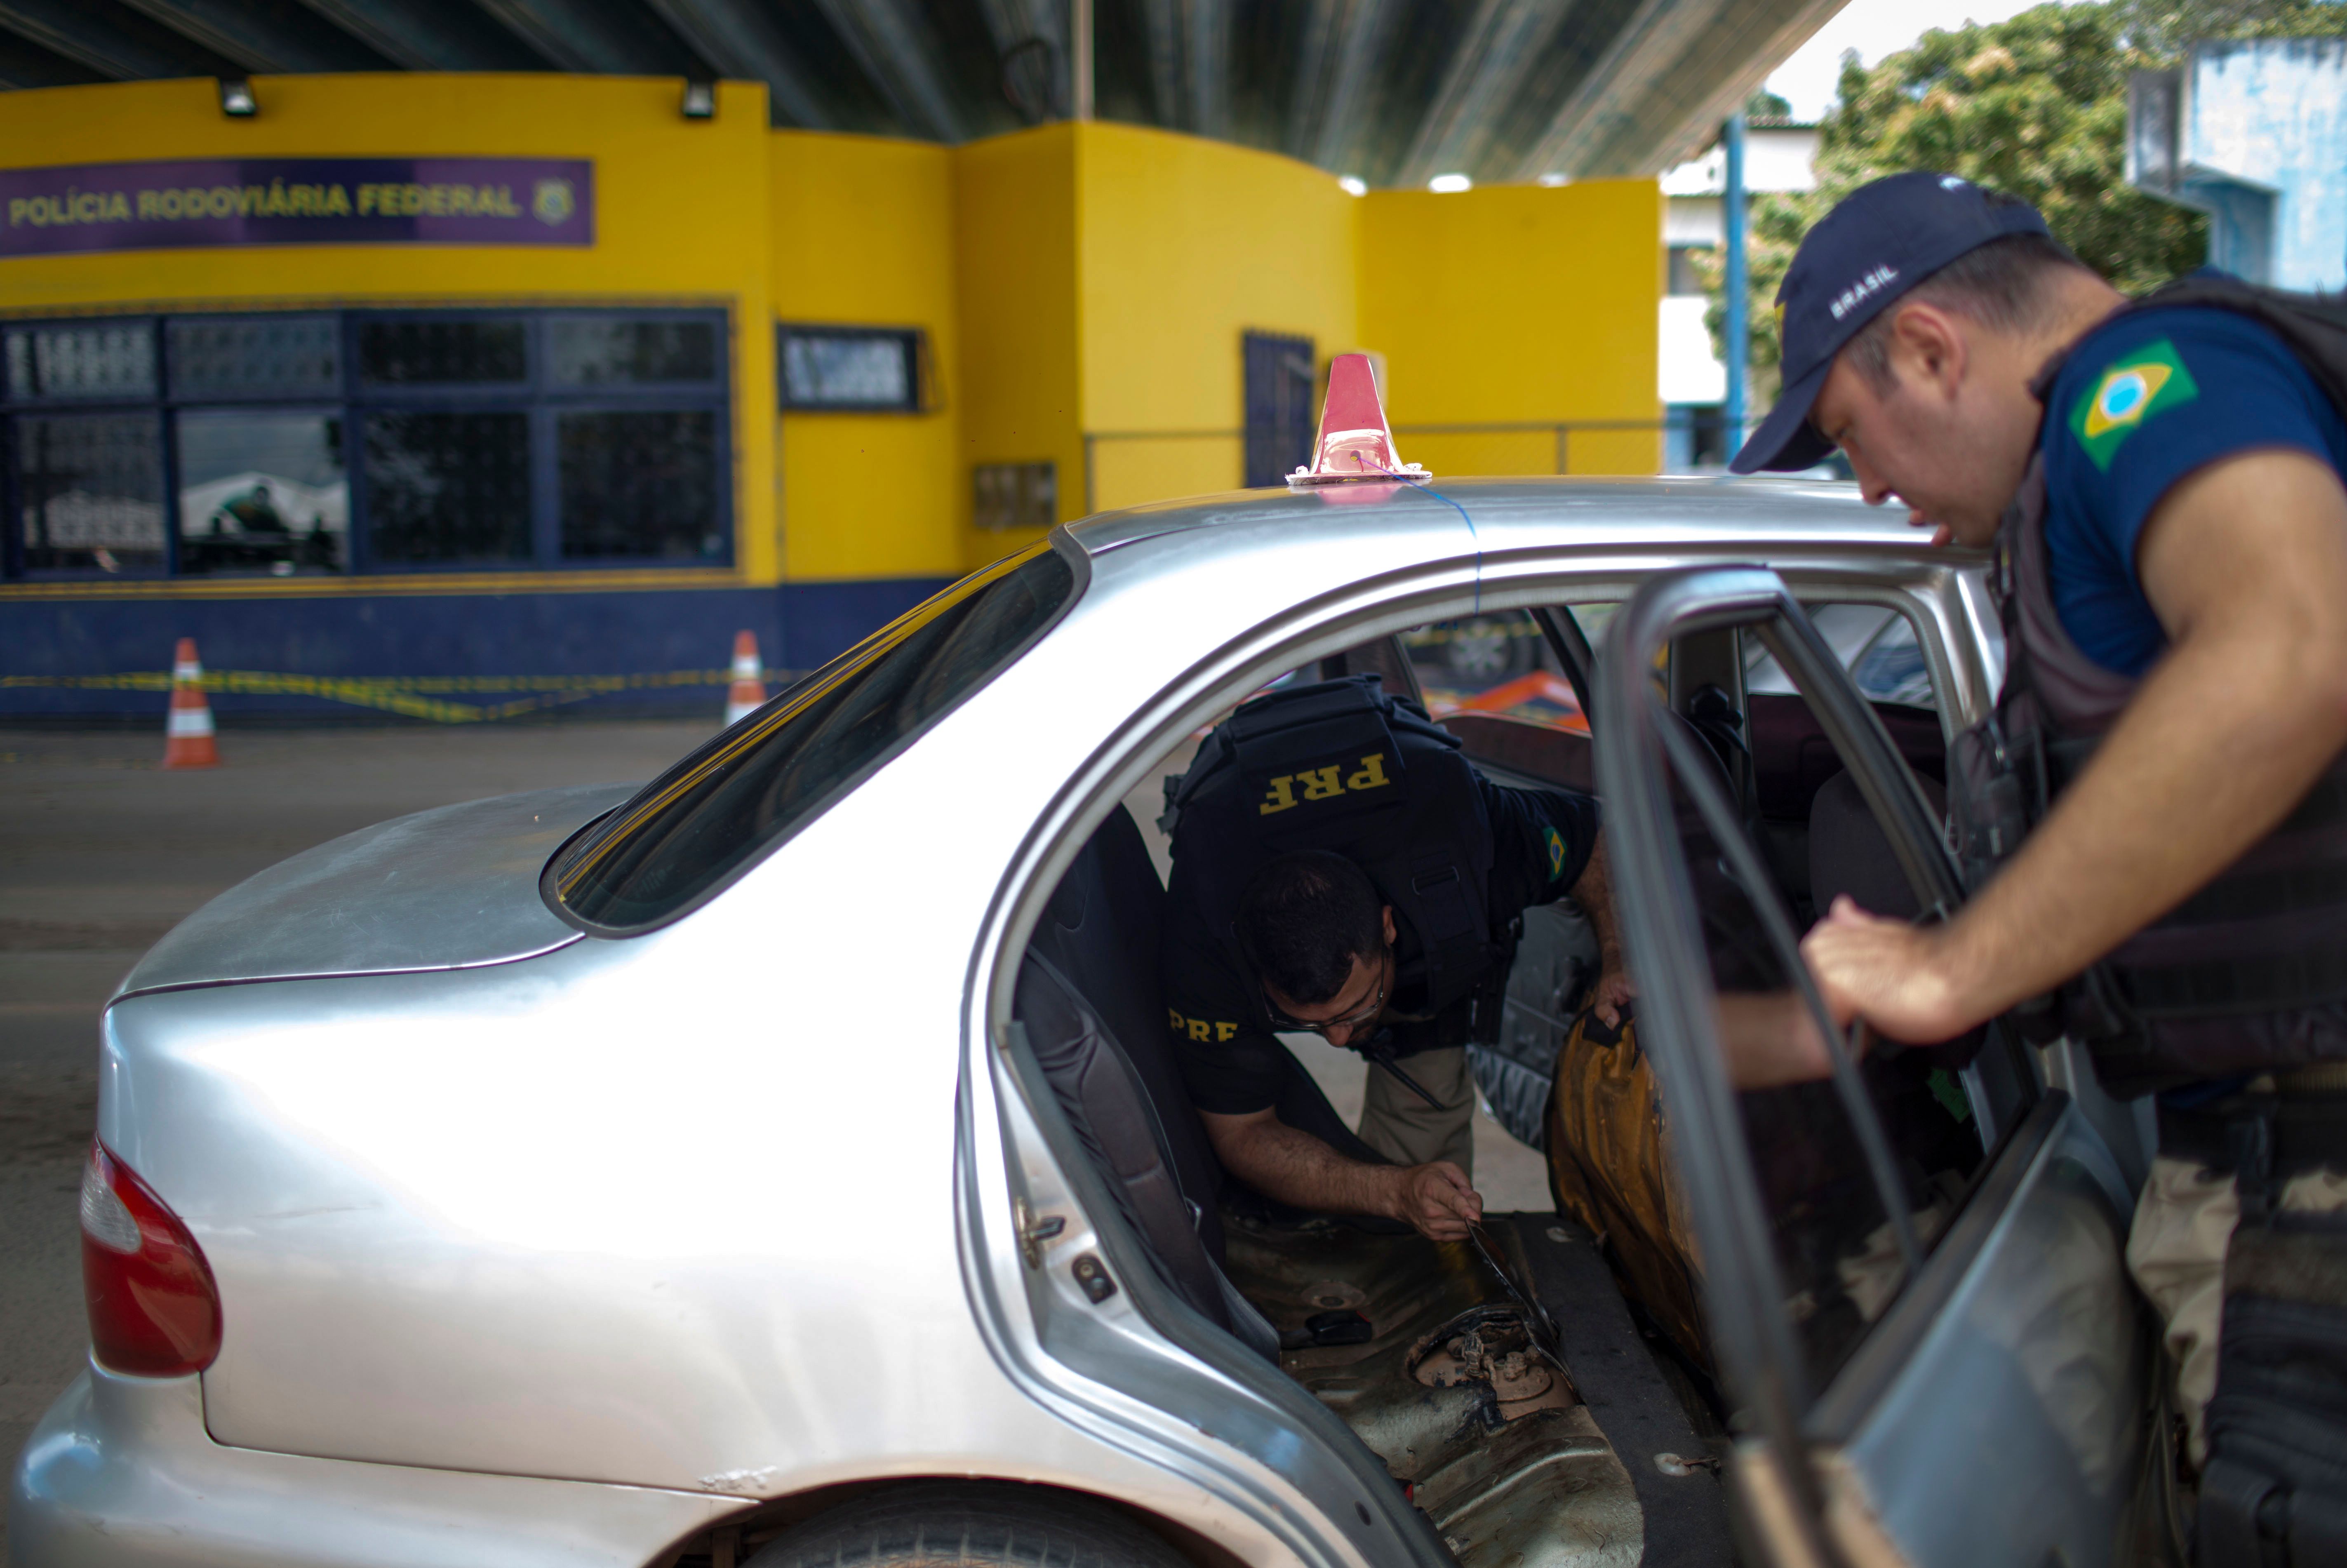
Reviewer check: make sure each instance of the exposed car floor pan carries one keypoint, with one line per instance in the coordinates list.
(1448, 1388)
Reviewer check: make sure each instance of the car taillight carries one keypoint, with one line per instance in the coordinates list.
(154, 1311)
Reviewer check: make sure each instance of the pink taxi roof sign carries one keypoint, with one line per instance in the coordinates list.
(1355, 445)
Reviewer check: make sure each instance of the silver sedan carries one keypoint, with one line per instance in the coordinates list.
(787, 1160)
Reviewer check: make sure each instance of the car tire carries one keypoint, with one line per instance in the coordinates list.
(969, 1524)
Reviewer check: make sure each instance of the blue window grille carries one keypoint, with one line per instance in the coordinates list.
(309, 442)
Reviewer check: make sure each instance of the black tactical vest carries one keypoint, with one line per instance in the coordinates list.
(2250, 973)
(1340, 765)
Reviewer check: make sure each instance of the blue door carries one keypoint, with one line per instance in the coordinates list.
(1277, 375)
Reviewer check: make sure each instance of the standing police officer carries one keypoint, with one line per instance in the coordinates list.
(1339, 867)
(2162, 481)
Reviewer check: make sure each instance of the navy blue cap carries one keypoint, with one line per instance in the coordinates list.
(1880, 242)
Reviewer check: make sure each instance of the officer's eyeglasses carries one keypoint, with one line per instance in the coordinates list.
(1359, 1017)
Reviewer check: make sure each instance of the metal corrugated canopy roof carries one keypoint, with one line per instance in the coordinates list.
(1391, 91)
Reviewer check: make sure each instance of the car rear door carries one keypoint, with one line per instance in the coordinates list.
(1931, 1347)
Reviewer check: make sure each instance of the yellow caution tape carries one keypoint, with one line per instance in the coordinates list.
(403, 694)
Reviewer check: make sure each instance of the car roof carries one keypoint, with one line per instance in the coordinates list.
(1509, 514)
(1171, 584)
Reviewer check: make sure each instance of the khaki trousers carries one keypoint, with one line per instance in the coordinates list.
(2183, 1224)
(1406, 1128)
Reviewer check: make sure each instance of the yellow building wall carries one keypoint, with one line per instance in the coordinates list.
(680, 213)
(864, 236)
(1070, 279)
(1015, 254)
(1517, 304)
(1186, 245)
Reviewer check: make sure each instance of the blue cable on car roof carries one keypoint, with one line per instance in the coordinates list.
(1472, 533)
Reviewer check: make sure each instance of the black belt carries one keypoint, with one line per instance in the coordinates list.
(2276, 1136)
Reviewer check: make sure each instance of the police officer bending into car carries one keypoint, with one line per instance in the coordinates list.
(1340, 868)
(2162, 483)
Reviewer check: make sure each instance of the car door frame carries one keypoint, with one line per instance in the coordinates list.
(1854, 1471)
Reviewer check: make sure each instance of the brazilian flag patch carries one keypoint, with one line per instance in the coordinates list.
(1555, 852)
(2128, 394)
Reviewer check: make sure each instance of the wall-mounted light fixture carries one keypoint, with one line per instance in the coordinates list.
(236, 98)
(700, 99)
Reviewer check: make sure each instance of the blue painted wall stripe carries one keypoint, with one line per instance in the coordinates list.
(645, 640)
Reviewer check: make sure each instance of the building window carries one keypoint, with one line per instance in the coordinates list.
(637, 483)
(449, 489)
(89, 488)
(462, 353)
(851, 370)
(1685, 278)
(591, 351)
(102, 362)
(262, 491)
(328, 442)
(255, 356)
(1015, 495)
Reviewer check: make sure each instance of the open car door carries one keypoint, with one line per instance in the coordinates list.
(1913, 1273)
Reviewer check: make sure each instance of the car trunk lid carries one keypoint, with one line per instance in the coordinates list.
(449, 888)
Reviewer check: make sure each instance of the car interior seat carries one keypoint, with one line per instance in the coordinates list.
(1849, 852)
(1101, 931)
(1088, 996)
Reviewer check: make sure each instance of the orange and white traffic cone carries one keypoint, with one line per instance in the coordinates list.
(748, 692)
(187, 733)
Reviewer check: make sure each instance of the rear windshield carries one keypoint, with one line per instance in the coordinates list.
(692, 829)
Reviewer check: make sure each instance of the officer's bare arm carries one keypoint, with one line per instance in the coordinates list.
(1296, 1168)
(1595, 894)
(1768, 1040)
(2245, 563)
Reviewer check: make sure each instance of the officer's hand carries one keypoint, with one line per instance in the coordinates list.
(1888, 972)
(1438, 1199)
(1613, 990)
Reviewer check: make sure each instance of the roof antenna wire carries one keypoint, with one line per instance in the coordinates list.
(1472, 533)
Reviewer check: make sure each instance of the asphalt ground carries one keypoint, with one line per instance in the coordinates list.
(101, 852)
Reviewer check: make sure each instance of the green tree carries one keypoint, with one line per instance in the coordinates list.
(2034, 106)
(2163, 28)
